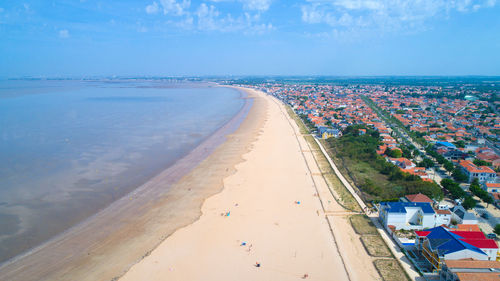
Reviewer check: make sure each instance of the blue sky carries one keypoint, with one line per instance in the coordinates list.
(249, 37)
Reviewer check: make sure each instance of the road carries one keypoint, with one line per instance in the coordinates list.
(435, 175)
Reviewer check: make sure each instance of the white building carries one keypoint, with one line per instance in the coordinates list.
(407, 215)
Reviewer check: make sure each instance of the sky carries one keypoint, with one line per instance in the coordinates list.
(249, 37)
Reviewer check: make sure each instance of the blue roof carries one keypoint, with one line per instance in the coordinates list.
(447, 144)
(400, 207)
(446, 242)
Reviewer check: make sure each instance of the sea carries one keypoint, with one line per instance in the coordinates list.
(69, 148)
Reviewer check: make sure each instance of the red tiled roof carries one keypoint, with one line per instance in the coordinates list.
(474, 276)
(468, 227)
(471, 168)
(422, 233)
(471, 263)
(419, 198)
(482, 243)
(470, 234)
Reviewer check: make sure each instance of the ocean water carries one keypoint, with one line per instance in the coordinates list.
(70, 148)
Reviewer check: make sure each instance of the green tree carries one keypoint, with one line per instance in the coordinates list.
(497, 229)
(458, 175)
(449, 166)
(460, 143)
(488, 200)
(469, 202)
(479, 162)
(453, 188)
(394, 153)
(426, 162)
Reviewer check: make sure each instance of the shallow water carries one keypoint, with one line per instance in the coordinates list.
(70, 148)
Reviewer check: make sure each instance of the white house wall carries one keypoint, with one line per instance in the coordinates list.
(463, 254)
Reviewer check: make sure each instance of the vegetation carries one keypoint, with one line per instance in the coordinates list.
(390, 270)
(458, 175)
(497, 229)
(456, 192)
(363, 225)
(479, 162)
(394, 153)
(377, 178)
(476, 189)
(469, 202)
(426, 162)
(375, 246)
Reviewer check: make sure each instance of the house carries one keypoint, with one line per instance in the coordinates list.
(482, 173)
(443, 217)
(421, 198)
(491, 187)
(402, 163)
(440, 244)
(445, 144)
(454, 154)
(469, 270)
(459, 214)
(325, 132)
(407, 215)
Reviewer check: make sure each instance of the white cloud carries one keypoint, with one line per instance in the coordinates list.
(152, 8)
(258, 5)
(384, 15)
(210, 19)
(207, 17)
(64, 33)
(174, 7)
(251, 5)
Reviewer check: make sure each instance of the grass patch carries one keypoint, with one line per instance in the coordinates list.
(343, 195)
(298, 121)
(375, 246)
(363, 225)
(390, 270)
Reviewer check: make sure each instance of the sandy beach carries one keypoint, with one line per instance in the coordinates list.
(268, 213)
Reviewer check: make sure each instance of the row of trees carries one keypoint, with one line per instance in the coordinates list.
(456, 172)
(476, 189)
(456, 192)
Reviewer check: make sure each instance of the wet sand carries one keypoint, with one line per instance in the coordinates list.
(268, 213)
(106, 245)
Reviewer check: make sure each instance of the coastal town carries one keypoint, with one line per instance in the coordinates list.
(423, 161)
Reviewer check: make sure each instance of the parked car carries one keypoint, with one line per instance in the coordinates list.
(492, 236)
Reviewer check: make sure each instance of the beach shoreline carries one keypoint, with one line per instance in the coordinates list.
(144, 217)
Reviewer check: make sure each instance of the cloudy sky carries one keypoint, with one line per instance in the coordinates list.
(249, 37)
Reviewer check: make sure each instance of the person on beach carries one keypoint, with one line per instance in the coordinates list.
(257, 264)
